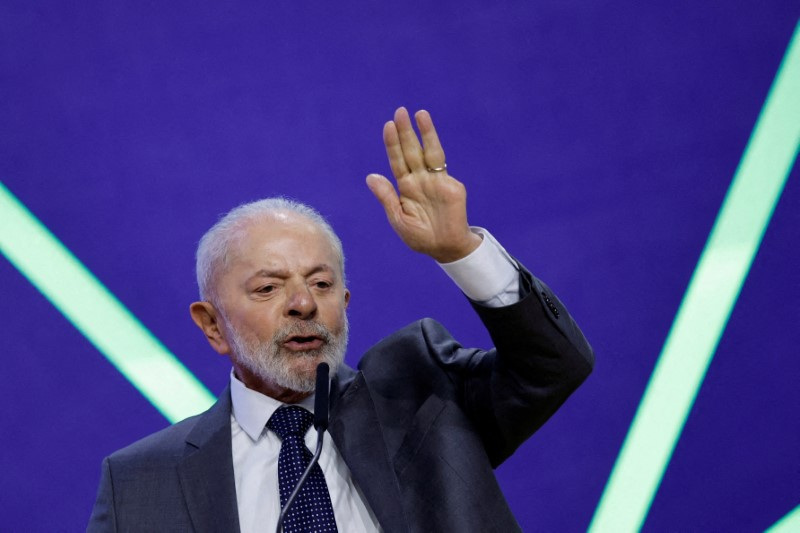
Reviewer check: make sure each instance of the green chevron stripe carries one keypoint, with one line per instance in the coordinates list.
(706, 306)
(91, 308)
(788, 524)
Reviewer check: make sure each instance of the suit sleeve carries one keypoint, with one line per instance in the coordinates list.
(103, 517)
(540, 358)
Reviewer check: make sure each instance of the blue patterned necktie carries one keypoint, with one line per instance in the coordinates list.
(312, 510)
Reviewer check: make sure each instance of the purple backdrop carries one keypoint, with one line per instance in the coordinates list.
(596, 141)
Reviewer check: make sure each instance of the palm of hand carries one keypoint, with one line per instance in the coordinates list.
(429, 213)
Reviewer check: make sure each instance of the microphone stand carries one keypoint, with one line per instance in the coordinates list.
(321, 424)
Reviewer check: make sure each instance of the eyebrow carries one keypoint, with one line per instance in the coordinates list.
(281, 273)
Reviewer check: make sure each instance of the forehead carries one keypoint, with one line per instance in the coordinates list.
(284, 240)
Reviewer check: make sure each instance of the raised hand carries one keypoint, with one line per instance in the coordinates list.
(430, 212)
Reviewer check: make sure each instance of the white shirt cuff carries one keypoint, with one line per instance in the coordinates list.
(488, 275)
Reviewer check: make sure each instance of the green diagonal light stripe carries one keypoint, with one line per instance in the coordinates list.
(706, 306)
(91, 308)
(788, 524)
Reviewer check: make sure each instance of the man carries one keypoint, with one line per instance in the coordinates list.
(415, 432)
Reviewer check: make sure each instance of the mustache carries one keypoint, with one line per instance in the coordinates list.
(302, 329)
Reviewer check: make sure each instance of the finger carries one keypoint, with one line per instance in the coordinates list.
(412, 150)
(433, 152)
(393, 150)
(385, 193)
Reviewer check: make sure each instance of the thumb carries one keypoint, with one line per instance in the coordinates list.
(385, 193)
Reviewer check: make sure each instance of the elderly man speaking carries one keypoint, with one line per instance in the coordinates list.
(414, 433)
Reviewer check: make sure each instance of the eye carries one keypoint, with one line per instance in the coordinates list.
(266, 289)
(322, 284)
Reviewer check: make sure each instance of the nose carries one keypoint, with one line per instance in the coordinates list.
(300, 303)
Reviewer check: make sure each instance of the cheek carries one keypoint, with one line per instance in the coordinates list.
(262, 328)
(254, 325)
(337, 319)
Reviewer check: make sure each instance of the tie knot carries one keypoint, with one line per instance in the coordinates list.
(290, 420)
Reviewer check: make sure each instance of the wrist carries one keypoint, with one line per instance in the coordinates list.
(462, 250)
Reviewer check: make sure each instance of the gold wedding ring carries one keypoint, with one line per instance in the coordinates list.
(442, 168)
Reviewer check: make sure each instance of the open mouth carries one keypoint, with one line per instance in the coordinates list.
(299, 343)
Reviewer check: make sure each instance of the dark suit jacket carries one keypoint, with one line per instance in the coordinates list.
(421, 425)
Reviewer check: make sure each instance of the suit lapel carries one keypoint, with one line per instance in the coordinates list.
(356, 430)
(206, 471)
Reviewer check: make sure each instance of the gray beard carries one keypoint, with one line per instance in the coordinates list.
(270, 360)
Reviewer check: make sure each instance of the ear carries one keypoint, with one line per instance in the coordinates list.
(346, 298)
(207, 319)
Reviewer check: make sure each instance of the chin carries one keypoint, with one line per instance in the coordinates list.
(291, 370)
(306, 369)
(294, 372)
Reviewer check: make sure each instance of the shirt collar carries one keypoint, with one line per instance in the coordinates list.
(252, 410)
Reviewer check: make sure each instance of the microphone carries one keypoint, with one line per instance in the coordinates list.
(321, 404)
(321, 399)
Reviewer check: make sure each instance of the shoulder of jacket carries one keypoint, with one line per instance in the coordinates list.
(168, 442)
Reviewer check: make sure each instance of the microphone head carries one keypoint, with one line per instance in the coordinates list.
(321, 398)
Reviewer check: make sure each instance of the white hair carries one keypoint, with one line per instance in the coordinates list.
(214, 249)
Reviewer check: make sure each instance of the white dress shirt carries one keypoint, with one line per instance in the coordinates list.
(487, 275)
